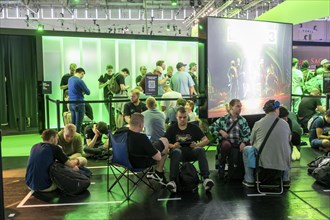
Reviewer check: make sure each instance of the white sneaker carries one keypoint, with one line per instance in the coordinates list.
(171, 186)
(208, 184)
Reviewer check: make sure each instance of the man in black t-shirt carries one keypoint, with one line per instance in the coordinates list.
(104, 82)
(93, 139)
(64, 83)
(135, 105)
(42, 156)
(143, 153)
(119, 106)
(186, 142)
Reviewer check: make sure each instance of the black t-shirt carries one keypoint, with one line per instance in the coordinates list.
(130, 108)
(185, 137)
(307, 106)
(120, 79)
(64, 82)
(140, 150)
(103, 79)
(89, 134)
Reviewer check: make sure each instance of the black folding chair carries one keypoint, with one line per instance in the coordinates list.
(119, 163)
(270, 179)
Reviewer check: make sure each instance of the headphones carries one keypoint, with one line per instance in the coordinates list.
(276, 105)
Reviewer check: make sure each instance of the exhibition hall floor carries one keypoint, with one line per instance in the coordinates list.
(305, 199)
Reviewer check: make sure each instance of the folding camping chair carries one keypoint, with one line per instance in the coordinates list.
(119, 161)
(271, 179)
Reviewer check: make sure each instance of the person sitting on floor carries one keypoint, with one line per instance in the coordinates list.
(186, 142)
(318, 133)
(71, 143)
(93, 140)
(276, 153)
(42, 156)
(230, 131)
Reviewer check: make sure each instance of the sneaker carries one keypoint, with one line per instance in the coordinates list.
(248, 184)
(286, 184)
(171, 186)
(159, 177)
(208, 184)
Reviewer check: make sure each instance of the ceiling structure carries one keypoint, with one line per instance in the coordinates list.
(156, 17)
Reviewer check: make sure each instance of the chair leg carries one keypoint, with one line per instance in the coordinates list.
(280, 187)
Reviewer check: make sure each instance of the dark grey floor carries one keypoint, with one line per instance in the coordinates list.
(305, 199)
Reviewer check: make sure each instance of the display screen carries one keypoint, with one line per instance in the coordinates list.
(94, 54)
(247, 60)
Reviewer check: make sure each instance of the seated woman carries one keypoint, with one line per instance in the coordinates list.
(276, 153)
(231, 131)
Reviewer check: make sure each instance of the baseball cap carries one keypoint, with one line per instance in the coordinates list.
(180, 64)
(324, 61)
(192, 65)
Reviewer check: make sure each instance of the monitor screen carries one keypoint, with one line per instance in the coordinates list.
(247, 60)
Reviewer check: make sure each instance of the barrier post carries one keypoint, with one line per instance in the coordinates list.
(47, 111)
(2, 203)
(58, 115)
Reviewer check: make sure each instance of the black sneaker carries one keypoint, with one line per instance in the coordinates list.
(159, 177)
(248, 184)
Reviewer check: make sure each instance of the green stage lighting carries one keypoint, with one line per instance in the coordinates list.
(40, 27)
(174, 2)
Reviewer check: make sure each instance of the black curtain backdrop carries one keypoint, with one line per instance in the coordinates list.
(18, 82)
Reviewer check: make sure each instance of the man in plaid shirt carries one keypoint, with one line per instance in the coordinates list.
(231, 130)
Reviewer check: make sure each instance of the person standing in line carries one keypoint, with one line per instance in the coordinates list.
(77, 89)
(64, 85)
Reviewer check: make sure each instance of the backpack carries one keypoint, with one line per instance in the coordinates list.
(188, 179)
(320, 169)
(312, 120)
(113, 86)
(71, 182)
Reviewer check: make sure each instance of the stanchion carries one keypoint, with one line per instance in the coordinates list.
(2, 203)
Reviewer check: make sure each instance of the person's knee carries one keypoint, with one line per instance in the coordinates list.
(176, 154)
(82, 161)
(199, 151)
(225, 145)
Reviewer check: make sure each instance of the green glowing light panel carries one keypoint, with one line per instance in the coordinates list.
(93, 54)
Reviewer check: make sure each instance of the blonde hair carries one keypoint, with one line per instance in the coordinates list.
(136, 92)
(151, 102)
(71, 128)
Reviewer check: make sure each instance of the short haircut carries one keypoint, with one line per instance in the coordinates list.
(271, 106)
(305, 64)
(142, 67)
(80, 70)
(181, 102)
(294, 61)
(181, 110)
(160, 62)
(47, 134)
(169, 68)
(233, 102)
(109, 66)
(125, 70)
(151, 102)
(71, 128)
(191, 104)
(136, 92)
(73, 65)
(136, 119)
(102, 127)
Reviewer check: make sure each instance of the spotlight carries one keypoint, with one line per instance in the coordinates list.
(168, 27)
(192, 3)
(179, 31)
(40, 28)
(174, 28)
(174, 2)
(142, 29)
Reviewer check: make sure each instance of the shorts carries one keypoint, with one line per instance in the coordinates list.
(158, 145)
(316, 143)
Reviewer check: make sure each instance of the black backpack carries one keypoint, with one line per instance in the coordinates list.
(188, 179)
(320, 169)
(113, 86)
(71, 182)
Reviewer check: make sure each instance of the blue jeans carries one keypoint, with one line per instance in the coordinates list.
(188, 154)
(249, 172)
(77, 114)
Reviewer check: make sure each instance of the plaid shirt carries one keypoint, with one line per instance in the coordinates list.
(238, 134)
